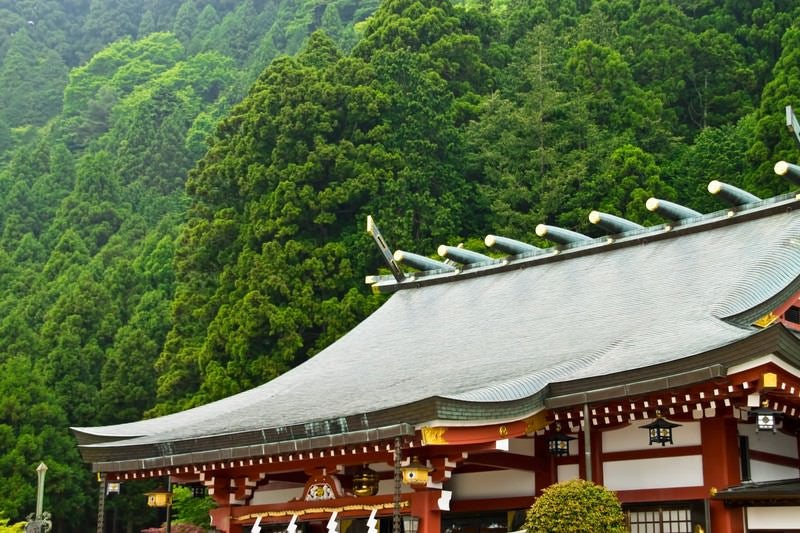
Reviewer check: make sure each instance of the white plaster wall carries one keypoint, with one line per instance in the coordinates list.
(776, 518)
(761, 471)
(633, 437)
(567, 472)
(521, 446)
(266, 496)
(657, 473)
(766, 441)
(386, 486)
(499, 484)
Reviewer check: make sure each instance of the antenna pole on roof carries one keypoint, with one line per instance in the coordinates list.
(373, 230)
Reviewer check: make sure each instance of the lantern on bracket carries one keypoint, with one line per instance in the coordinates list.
(765, 417)
(415, 472)
(410, 524)
(558, 444)
(159, 498)
(660, 430)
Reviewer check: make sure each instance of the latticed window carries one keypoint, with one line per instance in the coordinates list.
(660, 520)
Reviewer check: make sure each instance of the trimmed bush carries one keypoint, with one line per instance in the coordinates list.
(576, 506)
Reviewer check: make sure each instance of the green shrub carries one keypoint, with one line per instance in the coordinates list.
(576, 506)
(5, 527)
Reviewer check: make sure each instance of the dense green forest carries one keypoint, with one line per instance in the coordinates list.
(184, 185)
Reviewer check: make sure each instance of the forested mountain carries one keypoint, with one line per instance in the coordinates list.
(185, 184)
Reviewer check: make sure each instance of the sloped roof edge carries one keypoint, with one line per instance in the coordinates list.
(681, 372)
(762, 493)
(126, 454)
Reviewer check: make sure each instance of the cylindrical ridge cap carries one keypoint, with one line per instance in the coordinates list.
(461, 255)
(714, 186)
(612, 223)
(420, 262)
(788, 170)
(509, 246)
(560, 235)
(670, 210)
(731, 194)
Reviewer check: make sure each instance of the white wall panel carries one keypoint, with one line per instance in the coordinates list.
(657, 473)
(761, 471)
(633, 437)
(567, 472)
(521, 446)
(499, 484)
(262, 497)
(766, 441)
(775, 518)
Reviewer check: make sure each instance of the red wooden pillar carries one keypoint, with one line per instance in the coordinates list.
(546, 464)
(597, 456)
(221, 519)
(424, 504)
(721, 470)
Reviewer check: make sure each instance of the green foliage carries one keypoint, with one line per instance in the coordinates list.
(33, 428)
(771, 142)
(576, 506)
(189, 509)
(123, 66)
(5, 527)
(32, 80)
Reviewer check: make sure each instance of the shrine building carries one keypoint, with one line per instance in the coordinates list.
(661, 362)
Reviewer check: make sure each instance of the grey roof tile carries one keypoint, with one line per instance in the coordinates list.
(504, 336)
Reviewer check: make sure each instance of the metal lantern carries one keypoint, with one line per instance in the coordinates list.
(765, 417)
(415, 473)
(660, 430)
(159, 498)
(559, 443)
(410, 524)
(365, 482)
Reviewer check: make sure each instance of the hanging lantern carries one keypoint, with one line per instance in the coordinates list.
(365, 482)
(559, 443)
(660, 430)
(765, 417)
(410, 524)
(415, 473)
(159, 498)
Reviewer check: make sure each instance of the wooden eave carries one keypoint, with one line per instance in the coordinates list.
(707, 366)
(762, 494)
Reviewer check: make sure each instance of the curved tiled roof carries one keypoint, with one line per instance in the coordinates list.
(487, 344)
(766, 280)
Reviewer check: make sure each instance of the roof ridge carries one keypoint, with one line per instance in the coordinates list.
(526, 259)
